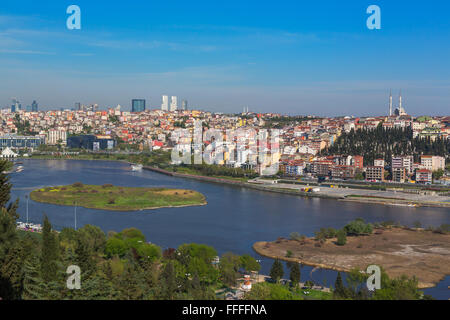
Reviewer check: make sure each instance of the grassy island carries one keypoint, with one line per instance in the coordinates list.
(109, 197)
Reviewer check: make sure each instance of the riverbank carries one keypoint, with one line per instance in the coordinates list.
(423, 254)
(361, 195)
(109, 197)
(342, 194)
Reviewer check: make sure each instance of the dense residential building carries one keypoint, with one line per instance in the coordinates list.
(343, 172)
(358, 162)
(403, 162)
(303, 141)
(399, 175)
(56, 137)
(374, 173)
(379, 163)
(424, 176)
(433, 163)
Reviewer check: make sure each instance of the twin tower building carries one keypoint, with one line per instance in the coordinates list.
(173, 106)
(138, 105)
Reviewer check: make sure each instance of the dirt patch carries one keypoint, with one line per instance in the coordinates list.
(423, 254)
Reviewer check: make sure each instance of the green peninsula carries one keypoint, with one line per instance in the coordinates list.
(117, 198)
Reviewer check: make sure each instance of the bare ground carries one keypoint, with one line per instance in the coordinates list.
(423, 254)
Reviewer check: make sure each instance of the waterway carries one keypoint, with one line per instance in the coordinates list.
(233, 219)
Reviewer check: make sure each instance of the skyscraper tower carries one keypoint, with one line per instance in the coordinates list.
(34, 106)
(165, 103)
(174, 103)
(184, 105)
(400, 101)
(390, 103)
(137, 105)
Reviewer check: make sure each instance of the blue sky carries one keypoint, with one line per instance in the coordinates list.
(295, 57)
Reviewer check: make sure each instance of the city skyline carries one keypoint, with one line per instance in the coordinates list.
(294, 58)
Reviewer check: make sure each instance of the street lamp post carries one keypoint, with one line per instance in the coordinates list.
(26, 197)
(75, 215)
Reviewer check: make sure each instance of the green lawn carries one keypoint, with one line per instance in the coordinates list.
(117, 198)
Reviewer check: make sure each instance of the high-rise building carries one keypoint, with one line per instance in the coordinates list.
(16, 106)
(174, 103)
(184, 105)
(77, 106)
(165, 103)
(137, 105)
(34, 106)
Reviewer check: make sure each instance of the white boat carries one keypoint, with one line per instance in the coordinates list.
(136, 167)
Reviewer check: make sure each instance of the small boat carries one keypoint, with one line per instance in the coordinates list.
(136, 167)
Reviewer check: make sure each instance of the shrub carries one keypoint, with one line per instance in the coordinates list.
(358, 227)
(115, 246)
(294, 236)
(132, 233)
(111, 201)
(78, 185)
(341, 237)
(107, 185)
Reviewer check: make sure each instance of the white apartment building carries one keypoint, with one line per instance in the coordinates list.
(378, 163)
(57, 137)
(403, 162)
(432, 163)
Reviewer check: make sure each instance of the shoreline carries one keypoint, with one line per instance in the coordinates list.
(256, 245)
(267, 188)
(399, 251)
(367, 200)
(69, 196)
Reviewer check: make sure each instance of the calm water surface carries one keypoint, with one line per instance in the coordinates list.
(233, 219)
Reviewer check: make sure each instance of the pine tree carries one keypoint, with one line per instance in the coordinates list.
(5, 186)
(33, 287)
(295, 274)
(129, 283)
(8, 236)
(11, 275)
(50, 252)
(339, 289)
(84, 259)
(276, 272)
(168, 282)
